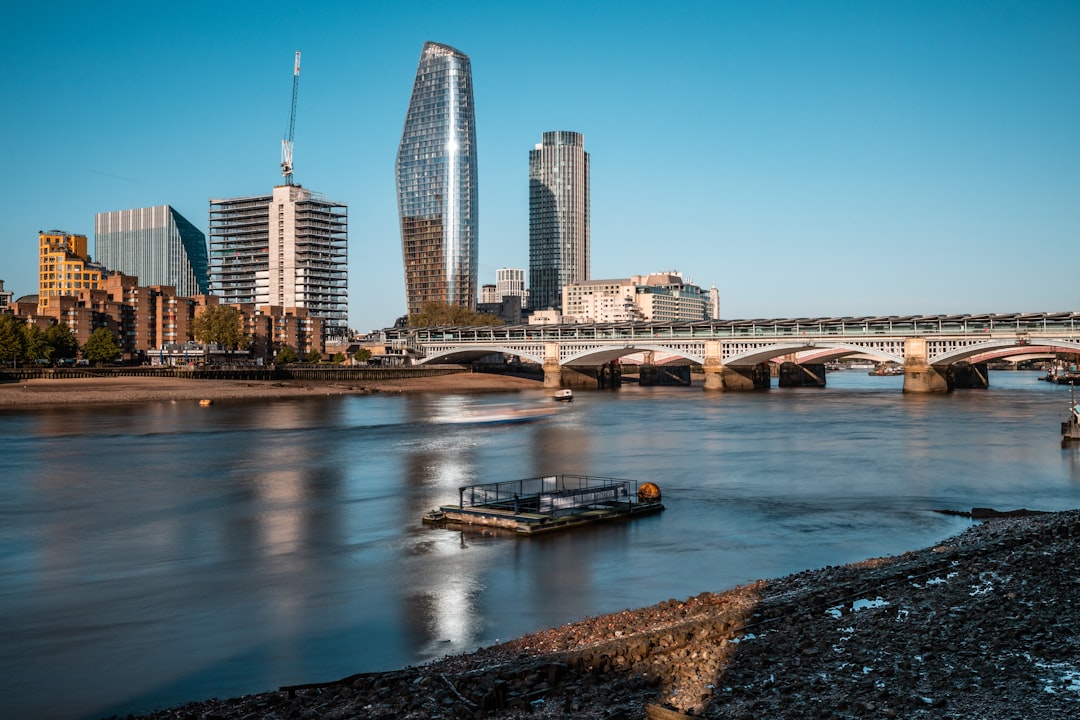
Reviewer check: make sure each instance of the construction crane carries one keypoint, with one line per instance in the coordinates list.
(286, 144)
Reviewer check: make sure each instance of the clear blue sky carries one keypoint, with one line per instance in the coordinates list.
(807, 158)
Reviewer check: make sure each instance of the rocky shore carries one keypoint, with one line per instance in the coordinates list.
(982, 625)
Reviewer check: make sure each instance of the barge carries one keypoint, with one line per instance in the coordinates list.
(532, 506)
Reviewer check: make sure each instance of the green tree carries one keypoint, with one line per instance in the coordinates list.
(313, 356)
(37, 349)
(220, 325)
(362, 355)
(285, 356)
(62, 341)
(12, 340)
(339, 357)
(433, 314)
(101, 347)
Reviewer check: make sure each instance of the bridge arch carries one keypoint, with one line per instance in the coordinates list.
(996, 348)
(600, 355)
(808, 352)
(475, 352)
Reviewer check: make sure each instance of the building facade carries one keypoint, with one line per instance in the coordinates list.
(6, 298)
(64, 267)
(558, 217)
(437, 182)
(659, 297)
(510, 282)
(286, 249)
(156, 244)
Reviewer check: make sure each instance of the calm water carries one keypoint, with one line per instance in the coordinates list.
(157, 553)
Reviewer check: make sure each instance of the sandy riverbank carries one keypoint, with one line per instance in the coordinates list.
(43, 393)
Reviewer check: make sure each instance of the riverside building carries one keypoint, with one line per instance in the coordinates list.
(156, 244)
(287, 249)
(659, 297)
(64, 267)
(558, 217)
(437, 182)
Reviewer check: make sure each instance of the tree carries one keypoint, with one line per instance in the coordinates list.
(362, 355)
(313, 356)
(37, 349)
(285, 356)
(220, 325)
(339, 357)
(101, 347)
(62, 341)
(433, 314)
(12, 339)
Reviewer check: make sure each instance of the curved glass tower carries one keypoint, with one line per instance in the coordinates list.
(436, 181)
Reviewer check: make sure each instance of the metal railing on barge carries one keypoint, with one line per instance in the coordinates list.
(551, 495)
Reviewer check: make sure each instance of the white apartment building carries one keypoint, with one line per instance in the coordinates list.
(511, 282)
(286, 249)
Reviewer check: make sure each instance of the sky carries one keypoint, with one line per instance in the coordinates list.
(808, 159)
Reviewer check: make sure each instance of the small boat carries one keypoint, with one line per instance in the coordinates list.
(564, 395)
(498, 415)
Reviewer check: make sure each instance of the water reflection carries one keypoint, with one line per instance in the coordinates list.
(162, 552)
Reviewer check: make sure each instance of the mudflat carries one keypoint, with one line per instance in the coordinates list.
(48, 392)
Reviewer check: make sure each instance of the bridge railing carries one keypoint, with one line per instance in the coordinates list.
(1032, 323)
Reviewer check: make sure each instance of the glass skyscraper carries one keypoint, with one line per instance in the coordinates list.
(155, 244)
(436, 182)
(558, 217)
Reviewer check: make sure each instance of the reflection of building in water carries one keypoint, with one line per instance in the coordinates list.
(443, 614)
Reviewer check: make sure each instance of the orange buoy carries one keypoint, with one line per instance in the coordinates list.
(648, 493)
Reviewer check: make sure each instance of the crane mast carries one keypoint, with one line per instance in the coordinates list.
(287, 143)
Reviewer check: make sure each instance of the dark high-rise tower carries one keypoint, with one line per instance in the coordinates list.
(558, 217)
(436, 182)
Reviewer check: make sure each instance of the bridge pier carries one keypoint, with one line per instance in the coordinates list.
(919, 375)
(732, 378)
(552, 368)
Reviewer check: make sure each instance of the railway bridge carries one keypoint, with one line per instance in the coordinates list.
(735, 354)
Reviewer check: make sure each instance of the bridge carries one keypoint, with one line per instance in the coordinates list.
(735, 354)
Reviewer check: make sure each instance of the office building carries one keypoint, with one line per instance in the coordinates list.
(659, 297)
(437, 183)
(558, 217)
(288, 249)
(155, 244)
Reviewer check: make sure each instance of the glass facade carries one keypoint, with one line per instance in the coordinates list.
(558, 217)
(437, 182)
(157, 245)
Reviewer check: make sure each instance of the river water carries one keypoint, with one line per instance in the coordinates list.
(156, 553)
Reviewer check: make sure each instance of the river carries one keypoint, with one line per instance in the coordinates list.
(161, 552)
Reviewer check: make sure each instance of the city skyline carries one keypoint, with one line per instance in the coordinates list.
(832, 159)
